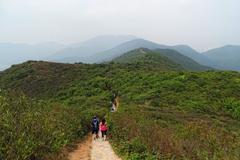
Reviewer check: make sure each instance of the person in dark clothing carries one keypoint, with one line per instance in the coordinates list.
(95, 127)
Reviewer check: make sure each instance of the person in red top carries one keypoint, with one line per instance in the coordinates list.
(103, 129)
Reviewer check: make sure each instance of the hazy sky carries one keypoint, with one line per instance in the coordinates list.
(202, 24)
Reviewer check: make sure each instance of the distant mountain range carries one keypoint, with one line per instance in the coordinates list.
(141, 43)
(82, 52)
(106, 48)
(227, 56)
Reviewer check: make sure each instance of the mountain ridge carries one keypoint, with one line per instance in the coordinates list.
(107, 47)
(149, 59)
(228, 55)
(86, 49)
(160, 57)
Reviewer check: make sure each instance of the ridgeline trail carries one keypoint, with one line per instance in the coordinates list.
(93, 150)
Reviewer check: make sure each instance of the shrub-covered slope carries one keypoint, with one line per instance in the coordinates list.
(34, 129)
(178, 116)
(186, 62)
(148, 58)
(161, 58)
(163, 114)
(46, 79)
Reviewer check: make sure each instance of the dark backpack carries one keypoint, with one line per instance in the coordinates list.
(95, 123)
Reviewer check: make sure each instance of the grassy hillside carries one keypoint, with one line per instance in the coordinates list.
(184, 61)
(45, 79)
(36, 121)
(34, 129)
(178, 116)
(160, 58)
(148, 58)
(163, 114)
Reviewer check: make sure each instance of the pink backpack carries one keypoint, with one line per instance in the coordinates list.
(103, 127)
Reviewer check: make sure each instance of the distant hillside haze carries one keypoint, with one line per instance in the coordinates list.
(81, 52)
(227, 56)
(141, 43)
(3, 67)
(119, 50)
(12, 53)
(185, 50)
(105, 48)
(196, 56)
(104, 41)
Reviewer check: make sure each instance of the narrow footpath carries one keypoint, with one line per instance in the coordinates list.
(83, 150)
(94, 150)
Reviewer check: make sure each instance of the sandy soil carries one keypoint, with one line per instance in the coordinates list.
(102, 150)
(94, 150)
(83, 150)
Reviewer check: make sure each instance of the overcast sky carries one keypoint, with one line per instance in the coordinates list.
(202, 24)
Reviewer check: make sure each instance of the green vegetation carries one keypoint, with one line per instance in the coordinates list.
(184, 61)
(163, 59)
(34, 129)
(165, 112)
(178, 116)
(148, 59)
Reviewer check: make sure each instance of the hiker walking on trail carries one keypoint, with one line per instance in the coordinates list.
(95, 127)
(103, 129)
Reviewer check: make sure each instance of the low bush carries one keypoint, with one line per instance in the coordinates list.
(232, 106)
(31, 129)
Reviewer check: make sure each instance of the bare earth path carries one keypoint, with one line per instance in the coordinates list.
(102, 150)
(94, 150)
(83, 150)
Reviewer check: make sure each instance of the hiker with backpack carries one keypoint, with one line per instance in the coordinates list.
(95, 127)
(103, 129)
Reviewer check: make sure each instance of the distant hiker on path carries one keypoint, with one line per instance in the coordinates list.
(95, 127)
(114, 102)
(103, 129)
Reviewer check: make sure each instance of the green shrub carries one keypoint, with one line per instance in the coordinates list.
(167, 115)
(34, 129)
(232, 106)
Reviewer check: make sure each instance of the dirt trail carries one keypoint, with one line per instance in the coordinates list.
(94, 150)
(102, 150)
(83, 150)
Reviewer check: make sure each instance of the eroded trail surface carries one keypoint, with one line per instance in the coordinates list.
(94, 150)
(102, 150)
(83, 151)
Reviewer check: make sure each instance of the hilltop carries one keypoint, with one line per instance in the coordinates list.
(148, 58)
(39, 78)
(160, 57)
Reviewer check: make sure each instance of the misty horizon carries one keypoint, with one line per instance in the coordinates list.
(203, 25)
(72, 44)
